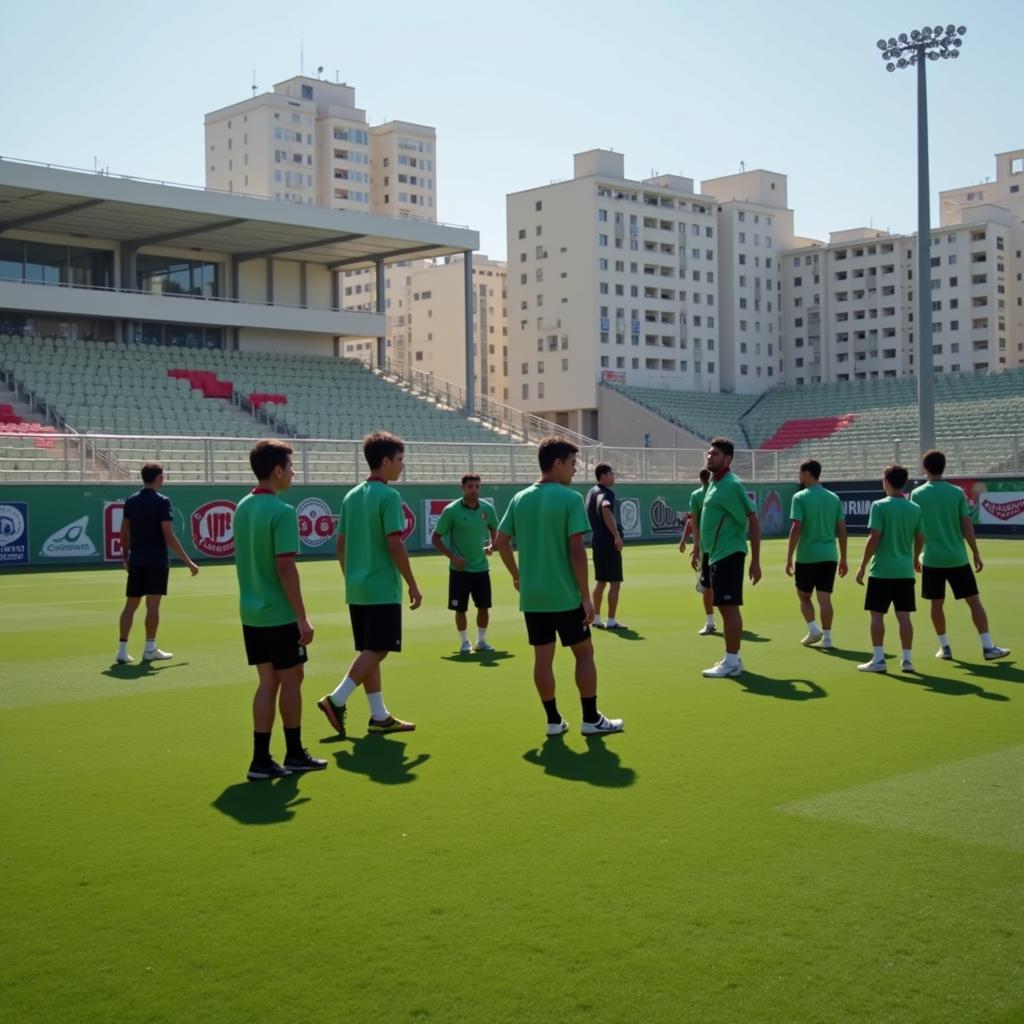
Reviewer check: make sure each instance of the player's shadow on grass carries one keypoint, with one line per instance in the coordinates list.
(1001, 671)
(381, 759)
(750, 637)
(624, 634)
(598, 765)
(845, 655)
(485, 659)
(781, 689)
(141, 669)
(261, 803)
(950, 687)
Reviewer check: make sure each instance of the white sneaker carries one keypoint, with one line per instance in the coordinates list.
(813, 637)
(945, 652)
(466, 648)
(483, 645)
(826, 644)
(907, 666)
(615, 624)
(991, 653)
(872, 666)
(156, 655)
(708, 629)
(124, 659)
(722, 669)
(557, 728)
(602, 726)
(598, 622)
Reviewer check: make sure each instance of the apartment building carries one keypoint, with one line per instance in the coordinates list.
(614, 278)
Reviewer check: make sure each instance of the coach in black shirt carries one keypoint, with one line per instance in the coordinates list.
(146, 534)
(606, 543)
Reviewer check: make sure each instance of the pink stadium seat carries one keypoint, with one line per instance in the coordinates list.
(794, 432)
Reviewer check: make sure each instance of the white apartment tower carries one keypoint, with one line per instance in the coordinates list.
(609, 277)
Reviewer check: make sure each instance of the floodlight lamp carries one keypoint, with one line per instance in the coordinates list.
(926, 32)
(955, 54)
(915, 35)
(957, 43)
(901, 63)
(933, 55)
(882, 44)
(903, 37)
(950, 29)
(890, 66)
(938, 30)
(961, 31)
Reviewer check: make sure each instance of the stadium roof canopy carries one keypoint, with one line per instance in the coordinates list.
(141, 213)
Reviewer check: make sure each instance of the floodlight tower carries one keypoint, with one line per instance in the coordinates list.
(921, 46)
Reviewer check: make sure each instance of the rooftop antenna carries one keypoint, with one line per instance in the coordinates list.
(743, 166)
(254, 82)
(337, 76)
(302, 57)
(320, 71)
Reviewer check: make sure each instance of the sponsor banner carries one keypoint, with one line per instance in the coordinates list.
(113, 516)
(665, 520)
(432, 509)
(70, 541)
(14, 533)
(856, 498)
(410, 522)
(213, 529)
(1003, 508)
(317, 525)
(630, 523)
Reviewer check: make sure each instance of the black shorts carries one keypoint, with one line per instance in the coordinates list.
(607, 565)
(277, 644)
(811, 576)
(464, 585)
(376, 627)
(705, 572)
(961, 581)
(883, 592)
(727, 579)
(541, 627)
(146, 580)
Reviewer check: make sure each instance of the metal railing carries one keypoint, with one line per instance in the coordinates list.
(71, 457)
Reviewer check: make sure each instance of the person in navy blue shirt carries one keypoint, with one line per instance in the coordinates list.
(146, 534)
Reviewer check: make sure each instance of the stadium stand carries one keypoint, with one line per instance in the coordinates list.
(703, 413)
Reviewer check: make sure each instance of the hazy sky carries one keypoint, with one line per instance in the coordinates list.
(515, 89)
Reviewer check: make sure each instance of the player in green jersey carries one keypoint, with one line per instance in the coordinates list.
(699, 559)
(946, 524)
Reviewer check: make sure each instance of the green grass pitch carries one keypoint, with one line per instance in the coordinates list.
(803, 844)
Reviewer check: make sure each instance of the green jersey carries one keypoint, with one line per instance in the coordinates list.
(942, 506)
(370, 513)
(265, 529)
(696, 501)
(723, 518)
(898, 521)
(469, 531)
(542, 519)
(819, 513)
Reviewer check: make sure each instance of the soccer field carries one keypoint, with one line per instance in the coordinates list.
(805, 843)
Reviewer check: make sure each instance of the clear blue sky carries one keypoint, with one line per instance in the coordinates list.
(515, 89)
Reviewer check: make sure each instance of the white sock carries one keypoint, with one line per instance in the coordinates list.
(906, 654)
(611, 621)
(812, 626)
(343, 691)
(464, 636)
(122, 648)
(986, 640)
(878, 654)
(377, 708)
(943, 640)
(597, 621)
(481, 634)
(732, 659)
(710, 620)
(826, 634)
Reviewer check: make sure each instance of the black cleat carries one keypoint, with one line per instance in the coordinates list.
(304, 762)
(266, 770)
(335, 715)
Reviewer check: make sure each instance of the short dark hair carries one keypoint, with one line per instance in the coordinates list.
(896, 476)
(381, 445)
(724, 445)
(468, 478)
(600, 469)
(934, 462)
(266, 456)
(704, 475)
(553, 449)
(150, 471)
(812, 466)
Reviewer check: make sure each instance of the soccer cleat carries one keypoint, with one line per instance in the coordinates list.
(826, 644)
(557, 728)
(335, 715)
(872, 666)
(598, 623)
(156, 655)
(615, 624)
(721, 669)
(390, 724)
(991, 653)
(907, 666)
(708, 629)
(699, 587)
(483, 646)
(945, 652)
(125, 659)
(813, 637)
(265, 770)
(602, 727)
(465, 647)
(304, 762)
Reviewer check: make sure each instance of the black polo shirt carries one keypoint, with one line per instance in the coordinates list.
(146, 512)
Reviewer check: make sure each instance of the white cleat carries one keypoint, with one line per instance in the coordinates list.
(557, 728)
(126, 659)
(826, 644)
(483, 645)
(813, 637)
(991, 653)
(721, 670)
(945, 652)
(602, 727)
(708, 629)
(466, 648)
(872, 666)
(907, 666)
(156, 655)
